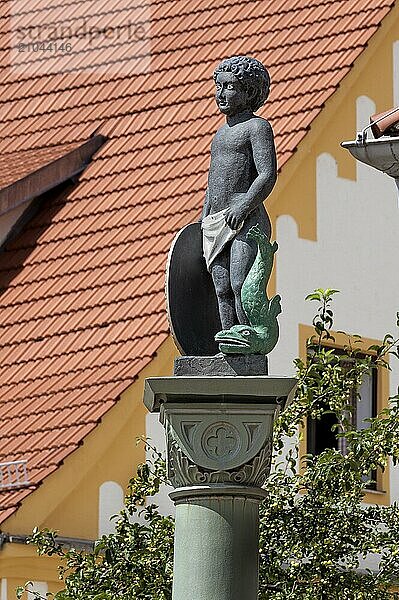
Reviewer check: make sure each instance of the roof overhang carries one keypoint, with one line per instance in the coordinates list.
(50, 175)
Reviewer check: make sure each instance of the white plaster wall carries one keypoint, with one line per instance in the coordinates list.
(356, 252)
(110, 503)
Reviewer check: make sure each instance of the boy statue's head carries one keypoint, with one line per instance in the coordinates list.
(243, 76)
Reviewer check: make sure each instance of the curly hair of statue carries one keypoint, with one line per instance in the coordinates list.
(251, 73)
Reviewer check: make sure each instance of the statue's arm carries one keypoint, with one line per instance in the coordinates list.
(264, 156)
(206, 208)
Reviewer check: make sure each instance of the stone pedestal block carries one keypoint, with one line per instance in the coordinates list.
(221, 364)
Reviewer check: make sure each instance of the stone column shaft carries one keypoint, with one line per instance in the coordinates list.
(217, 530)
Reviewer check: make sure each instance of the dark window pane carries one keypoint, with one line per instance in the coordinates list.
(320, 436)
(366, 407)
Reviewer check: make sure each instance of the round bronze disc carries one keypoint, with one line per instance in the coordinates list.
(190, 296)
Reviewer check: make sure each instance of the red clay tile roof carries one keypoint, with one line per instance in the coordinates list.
(82, 302)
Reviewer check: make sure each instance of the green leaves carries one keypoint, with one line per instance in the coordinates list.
(323, 321)
(135, 562)
(322, 295)
(315, 529)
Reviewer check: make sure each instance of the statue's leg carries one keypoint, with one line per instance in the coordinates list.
(221, 280)
(242, 256)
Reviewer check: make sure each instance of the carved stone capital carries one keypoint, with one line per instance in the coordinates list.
(218, 428)
(217, 443)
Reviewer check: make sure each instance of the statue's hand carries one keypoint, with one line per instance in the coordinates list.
(235, 216)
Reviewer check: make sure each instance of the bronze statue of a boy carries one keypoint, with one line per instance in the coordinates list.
(242, 174)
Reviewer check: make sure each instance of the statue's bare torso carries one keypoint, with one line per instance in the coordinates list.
(232, 171)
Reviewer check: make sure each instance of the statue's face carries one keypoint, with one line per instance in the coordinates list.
(231, 96)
